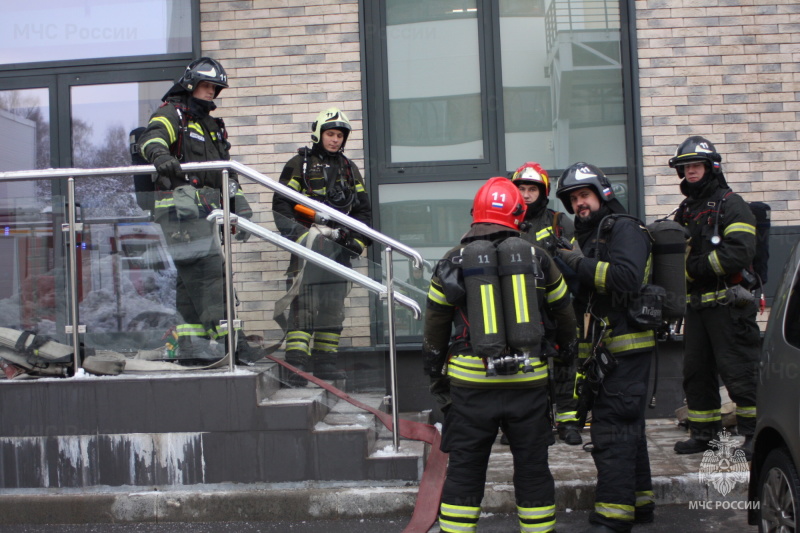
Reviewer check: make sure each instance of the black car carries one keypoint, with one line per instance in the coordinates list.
(774, 481)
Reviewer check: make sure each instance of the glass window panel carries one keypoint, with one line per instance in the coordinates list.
(102, 119)
(562, 82)
(434, 81)
(24, 145)
(79, 29)
(431, 218)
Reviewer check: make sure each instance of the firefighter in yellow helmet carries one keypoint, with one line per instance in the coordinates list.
(316, 314)
(491, 290)
(546, 228)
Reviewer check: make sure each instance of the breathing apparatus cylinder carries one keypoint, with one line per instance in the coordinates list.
(523, 320)
(482, 283)
(669, 265)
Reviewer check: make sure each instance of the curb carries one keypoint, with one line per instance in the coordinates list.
(296, 502)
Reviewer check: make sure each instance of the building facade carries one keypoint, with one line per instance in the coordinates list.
(442, 95)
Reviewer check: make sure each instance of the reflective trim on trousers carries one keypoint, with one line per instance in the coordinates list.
(615, 511)
(458, 518)
(705, 416)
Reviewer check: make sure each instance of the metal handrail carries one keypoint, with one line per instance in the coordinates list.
(318, 259)
(228, 219)
(239, 169)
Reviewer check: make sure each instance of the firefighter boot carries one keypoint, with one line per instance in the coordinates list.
(570, 433)
(196, 350)
(301, 364)
(692, 445)
(325, 366)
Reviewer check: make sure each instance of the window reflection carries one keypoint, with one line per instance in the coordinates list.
(102, 119)
(562, 82)
(434, 80)
(50, 30)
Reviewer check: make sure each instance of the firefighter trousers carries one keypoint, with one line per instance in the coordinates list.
(624, 488)
(720, 342)
(470, 429)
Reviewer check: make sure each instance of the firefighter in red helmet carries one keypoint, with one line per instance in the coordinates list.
(492, 288)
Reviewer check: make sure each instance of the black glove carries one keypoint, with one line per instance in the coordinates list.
(572, 258)
(242, 235)
(440, 388)
(353, 246)
(168, 165)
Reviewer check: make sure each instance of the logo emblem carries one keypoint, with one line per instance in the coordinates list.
(725, 465)
(584, 173)
(211, 73)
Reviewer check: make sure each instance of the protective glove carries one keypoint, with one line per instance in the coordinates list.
(242, 235)
(572, 258)
(168, 165)
(354, 246)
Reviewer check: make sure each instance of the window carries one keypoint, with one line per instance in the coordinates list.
(62, 30)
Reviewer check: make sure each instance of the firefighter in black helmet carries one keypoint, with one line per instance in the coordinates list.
(614, 352)
(316, 314)
(721, 335)
(546, 228)
(183, 130)
(491, 387)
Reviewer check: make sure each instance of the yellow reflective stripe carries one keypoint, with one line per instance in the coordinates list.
(156, 140)
(294, 184)
(359, 187)
(470, 368)
(535, 519)
(616, 511)
(462, 511)
(644, 497)
(542, 234)
(190, 330)
(487, 304)
(567, 416)
(196, 127)
(705, 416)
(467, 518)
(740, 227)
(600, 272)
(168, 125)
(520, 298)
(166, 202)
(436, 296)
(713, 260)
(631, 341)
(648, 268)
(747, 412)
(557, 293)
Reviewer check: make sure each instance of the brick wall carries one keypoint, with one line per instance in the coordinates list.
(287, 61)
(728, 70)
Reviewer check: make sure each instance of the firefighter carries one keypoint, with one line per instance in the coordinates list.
(183, 130)
(491, 383)
(545, 227)
(322, 173)
(721, 334)
(614, 352)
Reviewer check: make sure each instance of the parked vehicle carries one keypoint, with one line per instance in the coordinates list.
(774, 480)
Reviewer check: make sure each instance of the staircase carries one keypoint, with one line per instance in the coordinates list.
(213, 427)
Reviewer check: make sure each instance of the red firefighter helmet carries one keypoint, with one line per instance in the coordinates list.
(532, 172)
(499, 201)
